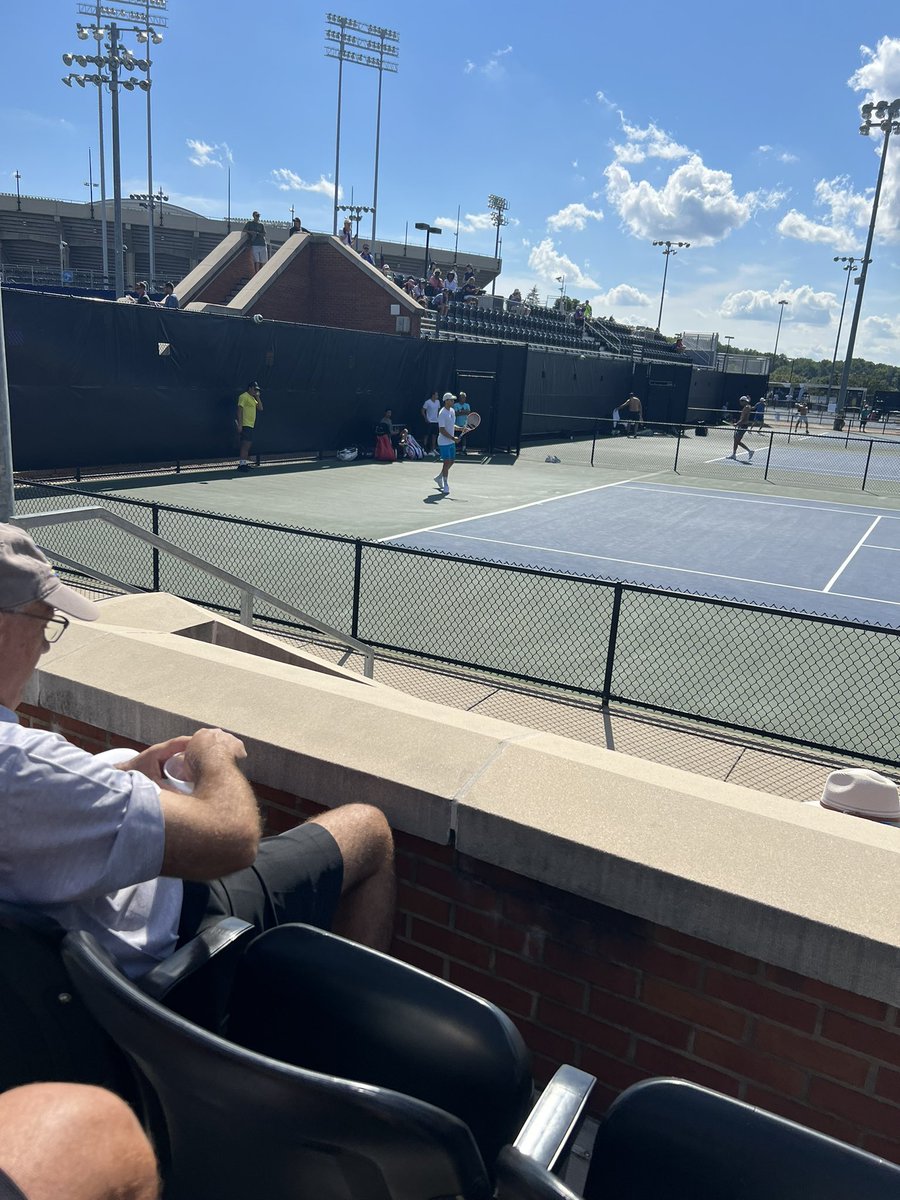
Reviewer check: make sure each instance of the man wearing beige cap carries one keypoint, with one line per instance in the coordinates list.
(114, 851)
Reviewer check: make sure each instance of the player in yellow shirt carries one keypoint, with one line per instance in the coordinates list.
(248, 405)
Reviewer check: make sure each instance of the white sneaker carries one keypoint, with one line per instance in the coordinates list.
(439, 480)
(446, 490)
(751, 453)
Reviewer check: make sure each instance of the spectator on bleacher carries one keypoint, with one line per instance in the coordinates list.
(470, 291)
(578, 318)
(468, 273)
(450, 284)
(413, 287)
(347, 232)
(140, 293)
(386, 270)
(588, 311)
(430, 410)
(296, 227)
(514, 300)
(170, 300)
(114, 851)
(679, 344)
(366, 254)
(256, 231)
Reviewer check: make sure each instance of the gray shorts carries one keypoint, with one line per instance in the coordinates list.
(297, 877)
(260, 254)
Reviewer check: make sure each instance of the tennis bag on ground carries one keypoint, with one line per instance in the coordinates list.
(413, 449)
(384, 451)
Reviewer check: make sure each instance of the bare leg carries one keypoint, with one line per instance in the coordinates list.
(366, 910)
(244, 452)
(77, 1142)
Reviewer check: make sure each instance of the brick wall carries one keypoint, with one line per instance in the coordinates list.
(229, 280)
(626, 999)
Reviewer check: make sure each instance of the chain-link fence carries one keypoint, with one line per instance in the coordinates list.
(817, 682)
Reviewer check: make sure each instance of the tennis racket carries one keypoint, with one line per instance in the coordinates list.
(473, 420)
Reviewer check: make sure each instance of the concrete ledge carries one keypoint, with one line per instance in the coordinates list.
(206, 271)
(793, 885)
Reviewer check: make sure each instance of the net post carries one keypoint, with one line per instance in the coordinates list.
(678, 432)
(868, 460)
(611, 645)
(769, 451)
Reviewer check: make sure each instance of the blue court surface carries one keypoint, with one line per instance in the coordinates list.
(828, 558)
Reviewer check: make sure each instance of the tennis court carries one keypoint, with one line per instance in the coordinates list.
(827, 558)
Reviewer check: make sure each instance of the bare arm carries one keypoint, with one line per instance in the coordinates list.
(217, 829)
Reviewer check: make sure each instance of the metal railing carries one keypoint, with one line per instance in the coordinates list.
(248, 592)
(811, 680)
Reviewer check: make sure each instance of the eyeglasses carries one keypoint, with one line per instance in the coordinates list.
(60, 624)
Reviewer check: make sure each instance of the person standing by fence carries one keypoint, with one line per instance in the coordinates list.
(249, 403)
(802, 415)
(741, 427)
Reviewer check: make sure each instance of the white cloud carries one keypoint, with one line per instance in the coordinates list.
(621, 295)
(469, 67)
(841, 228)
(879, 76)
(805, 306)
(603, 99)
(208, 154)
(879, 339)
(289, 181)
(764, 149)
(492, 67)
(786, 157)
(573, 216)
(547, 262)
(469, 223)
(695, 203)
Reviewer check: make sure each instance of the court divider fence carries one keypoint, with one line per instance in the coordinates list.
(808, 680)
(833, 461)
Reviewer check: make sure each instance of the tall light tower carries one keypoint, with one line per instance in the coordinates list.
(143, 19)
(498, 206)
(852, 265)
(886, 117)
(670, 248)
(379, 50)
(781, 304)
(116, 59)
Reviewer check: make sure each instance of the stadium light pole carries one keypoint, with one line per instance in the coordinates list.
(886, 117)
(498, 206)
(89, 182)
(428, 230)
(670, 248)
(729, 338)
(781, 304)
(17, 177)
(63, 247)
(7, 491)
(852, 265)
(145, 27)
(379, 49)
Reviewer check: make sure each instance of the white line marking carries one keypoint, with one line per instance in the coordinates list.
(875, 546)
(516, 507)
(807, 505)
(630, 562)
(868, 599)
(846, 563)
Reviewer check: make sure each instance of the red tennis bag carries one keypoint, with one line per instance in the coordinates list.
(384, 451)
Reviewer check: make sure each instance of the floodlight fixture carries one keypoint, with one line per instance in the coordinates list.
(887, 119)
(670, 247)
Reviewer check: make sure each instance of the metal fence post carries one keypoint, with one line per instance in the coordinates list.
(866, 471)
(769, 452)
(611, 646)
(154, 516)
(677, 448)
(594, 440)
(357, 583)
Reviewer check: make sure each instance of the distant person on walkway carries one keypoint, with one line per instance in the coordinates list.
(366, 254)
(634, 414)
(296, 227)
(248, 405)
(864, 415)
(256, 231)
(347, 232)
(741, 426)
(430, 410)
(141, 294)
(759, 415)
(170, 300)
(802, 411)
(446, 441)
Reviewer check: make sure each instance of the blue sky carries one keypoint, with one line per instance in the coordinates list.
(731, 127)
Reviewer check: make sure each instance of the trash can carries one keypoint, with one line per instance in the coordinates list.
(700, 430)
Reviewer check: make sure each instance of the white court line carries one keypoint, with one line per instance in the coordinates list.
(807, 505)
(846, 563)
(632, 562)
(516, 507)
(868, 599)
(875, 546)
